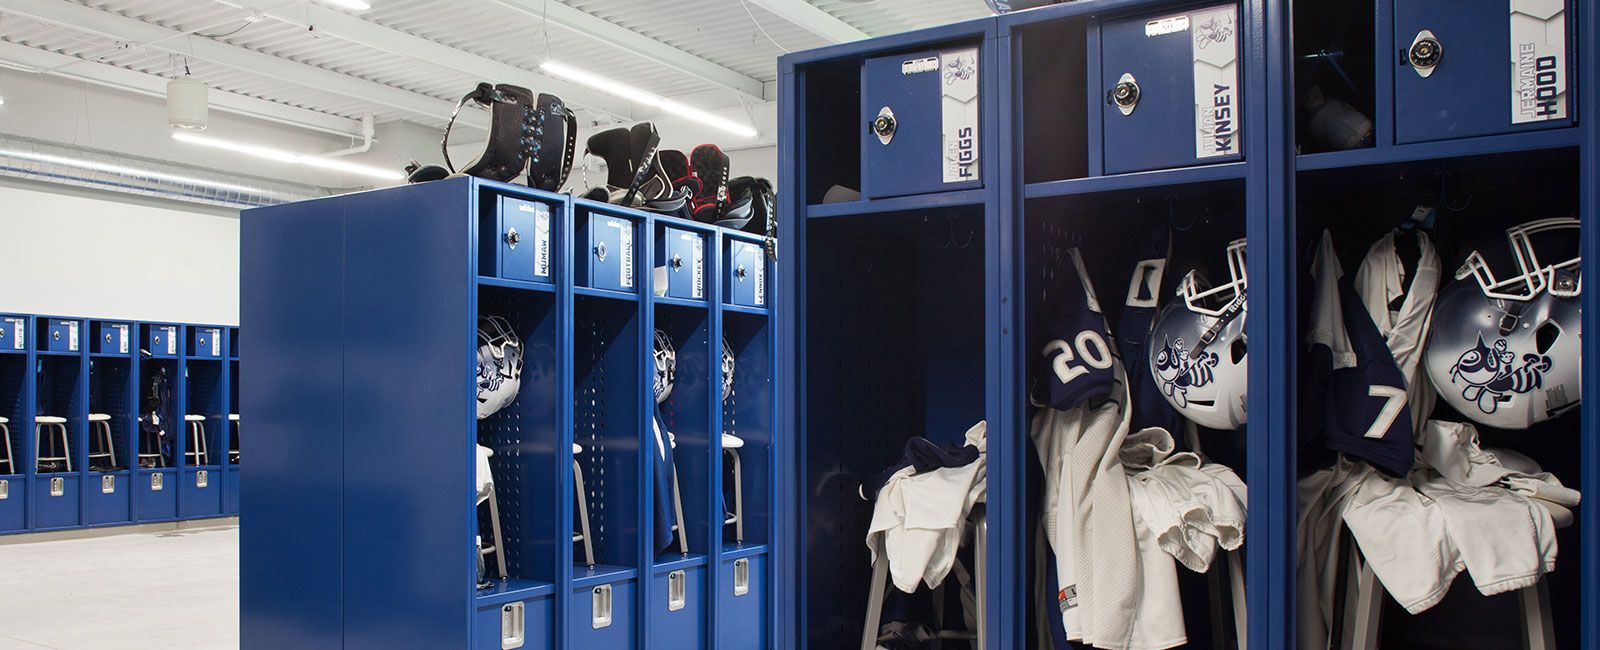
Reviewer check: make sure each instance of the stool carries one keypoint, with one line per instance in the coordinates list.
(150, 444)
(197, 440)
(486, 494)
(583, 507)
(978, 522)
(1363, 607)
(233, 441)
(5, 435)
(60, 448)
(100, 432)
(731, 444)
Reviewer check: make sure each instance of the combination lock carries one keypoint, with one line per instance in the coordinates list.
(1125, 95)
(884, 125)
(1425, 53)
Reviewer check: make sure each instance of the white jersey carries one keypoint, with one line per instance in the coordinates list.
(918, 519)
(1381, 284)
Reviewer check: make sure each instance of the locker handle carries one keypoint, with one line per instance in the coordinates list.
(513, 624)
(108, 484)
(5, 489)
(157, 482)
(202, 479)
(677, 590)
(58, 486)
(600, 607)
(741, 576)
(1425, 53)
(1125, 95)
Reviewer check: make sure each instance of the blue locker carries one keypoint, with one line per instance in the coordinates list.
(201, 493)
(525, 240)
(601, 616)
(747, 274)
(1172, 88)
(13, 504)
(62, 335)
(607, 258)
(230, 491)
(13, 333)
(205, 342)
(162, 340)
(107, 499)
(113, 338)
(920, 113)
(1480, 67)
(56, 503)
(155, 495)
(677, 609)
(742, 605)
(528, 624)
(684, 262)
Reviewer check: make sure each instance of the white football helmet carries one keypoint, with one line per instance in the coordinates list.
(727, 370)
(499, 365)
(1507, 352)
(666, 359)
(1197, 347)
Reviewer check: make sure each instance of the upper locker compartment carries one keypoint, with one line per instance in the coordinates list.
(1467, 68)
(515, 239)
(1171, 84)
(920, 112)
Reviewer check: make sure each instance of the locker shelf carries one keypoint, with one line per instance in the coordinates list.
(599, 574)
(515, 589)
(678, 562)
(736, 551)
(486, 281)
(606, 294)
(685, 303)
(1136, 180)
(1530, 141)
(896, 204)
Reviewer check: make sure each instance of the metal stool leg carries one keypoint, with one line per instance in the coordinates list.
(677, 509)
(583, 514)
(60, 448)
(1538, 631)
(197, 443)
(498, 548)
(738, 497)
(5, 436)
(101, 446)
(1241, 621)
(1363, 606)
(880, 582)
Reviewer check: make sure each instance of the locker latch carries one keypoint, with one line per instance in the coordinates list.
(884, 125)
(740, 272)
(513, 622)
(157, 483)
(600, 251)
(1125, 95)
(513, 237)
(741, 576)
(5, 490)
(202, 479)
(108, 485)
(677, 590)
(600, 607)
(1425, 53)
(58, 486)
(677, 262)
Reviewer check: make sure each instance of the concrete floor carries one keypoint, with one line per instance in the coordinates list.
(148, 587)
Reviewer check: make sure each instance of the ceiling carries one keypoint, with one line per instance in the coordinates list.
(308, 63)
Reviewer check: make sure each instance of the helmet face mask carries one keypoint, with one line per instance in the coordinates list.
(728, 364)
(666, 364)
(499, 365)
(1198, 355)
(1506, 353)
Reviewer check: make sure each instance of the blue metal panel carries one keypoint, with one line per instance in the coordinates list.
(617, 633)
(113, 338)
(162, 340)
(200, 493)
(746, 274)
(56, 501)
(230, 490)
(1589, 211)
(107, 499)
(155, 495)
(291, 584)
(684, 258)
(1473, 89)
(62, 335)
(912, 88)
(205, 342)
(408, 286)
(1159, 131)
(14, 508)
(13, 333)
(742, 619)
(683, 628)
(538, 632)
(525, 244)
(606, 259)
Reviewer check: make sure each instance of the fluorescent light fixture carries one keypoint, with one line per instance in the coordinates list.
(270, 153)
(357, 5)
(109, 168)
(636, 95)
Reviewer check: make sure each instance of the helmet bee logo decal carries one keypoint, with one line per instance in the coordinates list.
(1179, 371)
(1490, 377)
(959, 69)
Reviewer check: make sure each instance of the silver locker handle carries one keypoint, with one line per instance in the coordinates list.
(600, 607)
(157, 482)
(58, 486)
(108, 485)
(741, 576)
(201, 479)
(677, 590)
(5, 490)
(513, 623)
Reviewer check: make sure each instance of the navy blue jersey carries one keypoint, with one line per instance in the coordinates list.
(1078, 359)
(661, 454)
(1367, 416)
(1150, 408)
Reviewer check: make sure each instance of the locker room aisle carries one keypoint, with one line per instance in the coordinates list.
(77, 594)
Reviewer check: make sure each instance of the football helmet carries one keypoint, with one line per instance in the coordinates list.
(666, 359)
(499, 365)
(727, 370)
(1506, 352)
(1197, 347)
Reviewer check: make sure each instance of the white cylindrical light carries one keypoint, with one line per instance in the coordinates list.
(187, 104)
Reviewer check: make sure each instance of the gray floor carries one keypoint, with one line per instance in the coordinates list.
(164, 588)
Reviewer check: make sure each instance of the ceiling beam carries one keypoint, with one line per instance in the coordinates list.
(110, 25)
(605, 32)
(372, 35)
(51, 64)
(806, 16)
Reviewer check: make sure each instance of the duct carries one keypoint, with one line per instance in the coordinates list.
(40, 160)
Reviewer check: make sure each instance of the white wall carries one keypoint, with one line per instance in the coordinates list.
(110, 256)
